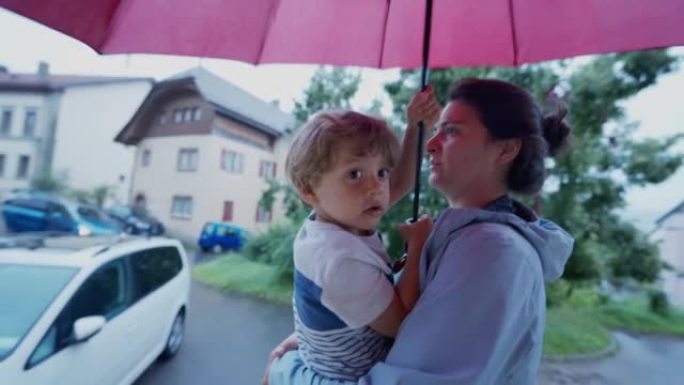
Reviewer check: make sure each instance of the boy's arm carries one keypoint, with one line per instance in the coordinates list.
(407, 289)
(423, 107)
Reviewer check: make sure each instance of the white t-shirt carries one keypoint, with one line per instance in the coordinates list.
(342, 283)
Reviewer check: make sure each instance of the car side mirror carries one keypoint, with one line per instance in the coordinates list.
(87, 327)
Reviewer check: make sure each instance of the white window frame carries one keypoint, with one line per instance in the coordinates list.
(181, 207)
(188, 160)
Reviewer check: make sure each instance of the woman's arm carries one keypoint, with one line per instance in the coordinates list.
(423, 107)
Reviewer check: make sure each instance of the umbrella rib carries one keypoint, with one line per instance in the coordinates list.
(121, 7)
(272, 14)
(381, 59)
(514, 38)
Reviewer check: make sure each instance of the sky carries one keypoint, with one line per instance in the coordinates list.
(25, 43)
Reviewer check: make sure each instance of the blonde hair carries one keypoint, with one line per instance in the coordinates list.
(316, 145)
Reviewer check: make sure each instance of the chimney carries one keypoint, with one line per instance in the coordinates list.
(43, 69)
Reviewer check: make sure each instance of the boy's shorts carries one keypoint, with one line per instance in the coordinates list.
(290, 370)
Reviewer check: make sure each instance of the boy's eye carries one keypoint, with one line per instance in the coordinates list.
(355, 174)
(384, 173)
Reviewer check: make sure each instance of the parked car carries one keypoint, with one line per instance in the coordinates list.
(221, 236)
(90, 310)
(136, 220)
(44, 212)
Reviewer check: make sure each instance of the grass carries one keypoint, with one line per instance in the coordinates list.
(580, 325)
(233, 272)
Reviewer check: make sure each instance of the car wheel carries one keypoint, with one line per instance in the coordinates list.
(175, 338)
(217, 249)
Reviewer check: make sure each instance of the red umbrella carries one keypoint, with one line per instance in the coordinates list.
(372, 33)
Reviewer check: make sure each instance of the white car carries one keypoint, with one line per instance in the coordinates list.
(86, 311)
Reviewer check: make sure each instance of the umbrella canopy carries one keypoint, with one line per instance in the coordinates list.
(372, 33)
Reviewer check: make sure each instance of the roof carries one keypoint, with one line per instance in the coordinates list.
(47, 83)
(677, 209)
(65, 250)
(227, 99)
(233, 100)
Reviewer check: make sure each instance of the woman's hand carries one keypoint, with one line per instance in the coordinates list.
(289, 343)
(415, 234)
(423, 107)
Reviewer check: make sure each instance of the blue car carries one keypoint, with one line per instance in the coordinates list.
(41, 212)
(221, 236)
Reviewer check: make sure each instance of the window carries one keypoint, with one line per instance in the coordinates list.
(263, 215)
(177, 115)
(182, 207)
(6, 122)
(267, 169)
(188, 159)
(23, 167)
(104, 293)
(228, 211)
(2, 165)
(153, 268)
(30, 123)
(162, 117)
(145, 158)
(187, 114)
(232, 162)
(196, 113)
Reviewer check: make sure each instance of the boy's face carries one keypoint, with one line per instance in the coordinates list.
(354, 194)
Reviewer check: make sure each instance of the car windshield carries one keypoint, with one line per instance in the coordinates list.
(23, 301)
(91, 214)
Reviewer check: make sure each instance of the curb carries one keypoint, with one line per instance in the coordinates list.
(609, 351)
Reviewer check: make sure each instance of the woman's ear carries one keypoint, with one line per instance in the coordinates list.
(508, 150)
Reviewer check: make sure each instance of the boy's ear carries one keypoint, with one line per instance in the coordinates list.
(308, 196)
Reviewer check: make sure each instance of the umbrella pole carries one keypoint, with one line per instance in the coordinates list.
(421, 125)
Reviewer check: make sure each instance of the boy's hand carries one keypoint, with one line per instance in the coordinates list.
(415, 234)
(423, 107)
(289, 343)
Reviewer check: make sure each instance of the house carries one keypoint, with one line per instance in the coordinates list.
(669, 234)
(205, 150)
(65, 125)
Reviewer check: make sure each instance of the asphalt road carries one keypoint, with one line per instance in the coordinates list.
(228, 338)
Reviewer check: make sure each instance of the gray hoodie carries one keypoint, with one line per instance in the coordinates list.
(481, 315)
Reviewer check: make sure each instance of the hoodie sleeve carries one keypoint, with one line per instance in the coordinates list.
(474, 322)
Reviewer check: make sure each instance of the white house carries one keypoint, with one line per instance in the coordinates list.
(669, 234)
(65, 124)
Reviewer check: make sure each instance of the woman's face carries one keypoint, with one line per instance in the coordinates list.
(463, 158)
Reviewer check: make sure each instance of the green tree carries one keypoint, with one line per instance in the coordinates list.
(330, 88)
(49, 182)
(587, 186)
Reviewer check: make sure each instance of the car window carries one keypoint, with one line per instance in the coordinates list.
(220, 231)
(27, 308)
(208, 228)
(153, 268)
(104, 293)
(90, 214)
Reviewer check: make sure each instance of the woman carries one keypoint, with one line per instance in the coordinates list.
(481, 314)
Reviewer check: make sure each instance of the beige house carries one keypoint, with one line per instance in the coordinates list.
(204, 151)
(669, 234)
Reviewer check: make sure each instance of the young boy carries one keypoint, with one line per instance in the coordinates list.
(350, 169)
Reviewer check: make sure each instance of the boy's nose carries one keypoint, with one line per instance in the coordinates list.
(373, 185)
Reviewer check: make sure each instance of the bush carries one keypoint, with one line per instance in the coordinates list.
(658, 303)
(275, 248)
